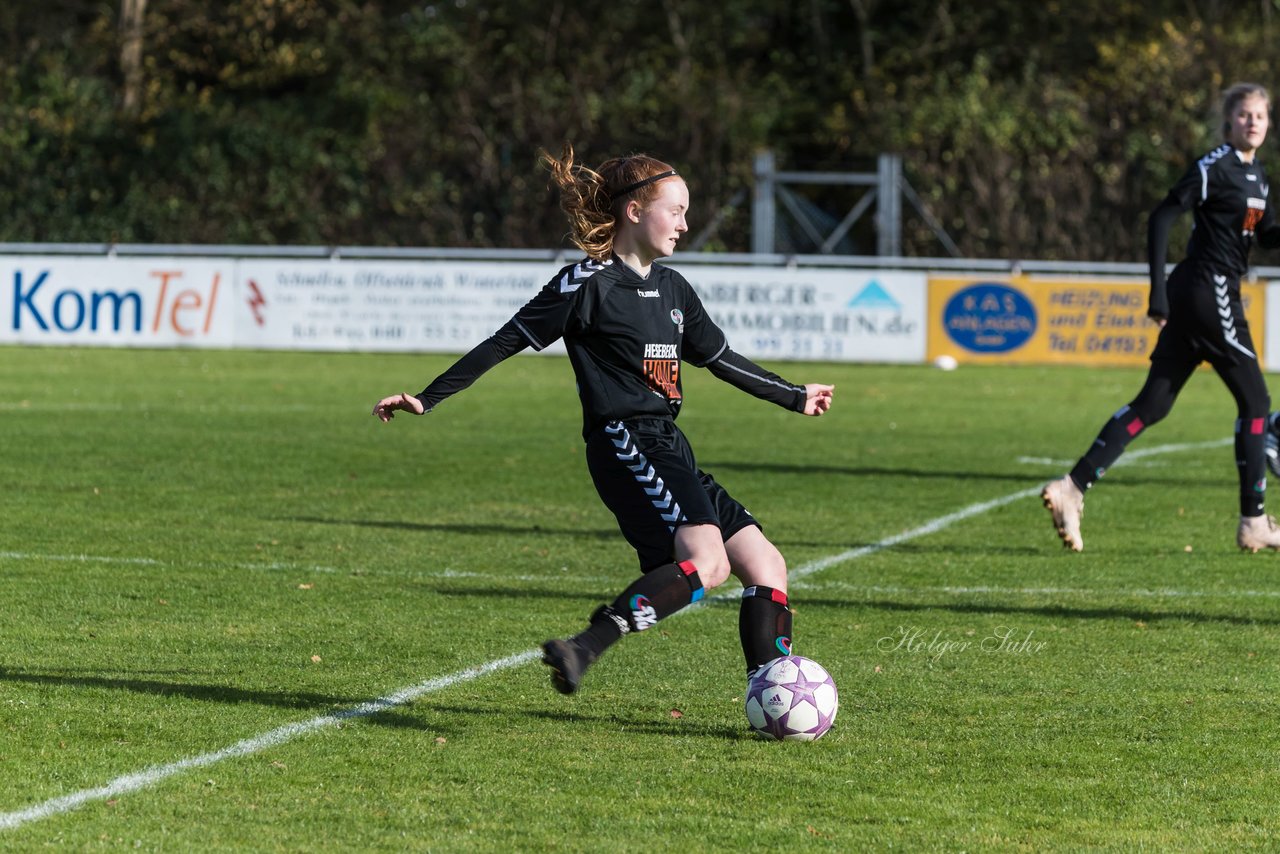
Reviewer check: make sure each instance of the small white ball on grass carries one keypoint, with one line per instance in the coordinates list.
(946, 363)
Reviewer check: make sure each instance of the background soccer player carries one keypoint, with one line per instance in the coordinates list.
(1201, 318)
(629, 326)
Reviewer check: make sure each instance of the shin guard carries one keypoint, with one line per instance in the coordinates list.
(1114, 437)
(657, 594)
(764, 625)
(1251, 456)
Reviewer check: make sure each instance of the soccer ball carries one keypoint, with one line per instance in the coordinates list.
(792, 699)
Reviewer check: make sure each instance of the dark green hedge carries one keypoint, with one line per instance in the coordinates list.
(1042, 130)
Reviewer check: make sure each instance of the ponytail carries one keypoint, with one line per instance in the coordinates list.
(594, 200)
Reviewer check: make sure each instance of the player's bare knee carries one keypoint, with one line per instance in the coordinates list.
(716, 574)
(767, 571)
(778, 572)
(713, 569)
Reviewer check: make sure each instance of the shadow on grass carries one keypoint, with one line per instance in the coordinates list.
(475, 530)
(800, 600)
(662, 725)
(1051, 612)
(417, 714)
(339, 707)
(682, 727)
(946, 549)
(861, 471)
(596, 597)
(1127, 478)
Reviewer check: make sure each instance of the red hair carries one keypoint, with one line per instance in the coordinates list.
(593, 198)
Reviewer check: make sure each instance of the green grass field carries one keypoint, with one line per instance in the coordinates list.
(212, 563)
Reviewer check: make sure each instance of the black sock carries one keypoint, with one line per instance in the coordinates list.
(1114, 437)
(653, 596)
(764, 625)
(1251, 461)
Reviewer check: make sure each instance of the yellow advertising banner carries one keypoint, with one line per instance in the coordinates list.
(1026, 320)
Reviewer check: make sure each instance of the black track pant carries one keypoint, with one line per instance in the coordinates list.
(1206, 324)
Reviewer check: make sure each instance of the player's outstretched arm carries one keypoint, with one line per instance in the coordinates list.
(503, 344)
(1158, 226)
(739, 371)
(385, 409)
(817, 398)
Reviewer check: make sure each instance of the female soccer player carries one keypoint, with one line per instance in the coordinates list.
(628, 325)
(1201, 318)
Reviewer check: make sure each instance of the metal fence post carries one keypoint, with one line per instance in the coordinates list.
(889, 206)
(763, 204)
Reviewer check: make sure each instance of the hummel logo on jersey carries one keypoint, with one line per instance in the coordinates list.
(654, 293)
(1250, 176)
(573, 279)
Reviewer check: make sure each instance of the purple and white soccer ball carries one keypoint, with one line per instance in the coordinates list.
(792, 698)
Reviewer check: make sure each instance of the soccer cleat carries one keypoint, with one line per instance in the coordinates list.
(1065, 502)
(568, 661)
(1257, 533)
(1273, 449)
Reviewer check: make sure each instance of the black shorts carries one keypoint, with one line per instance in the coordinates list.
(1206, 320)
(646, 475)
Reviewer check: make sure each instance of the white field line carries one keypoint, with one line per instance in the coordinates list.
(79, 558)
(145, 561)
(1065, 465)
(274, 566)
(798, 580)
(279, 566)
(150, 776)
(157, 773)
(1044, 461)
(1130, 457)
(143, 406)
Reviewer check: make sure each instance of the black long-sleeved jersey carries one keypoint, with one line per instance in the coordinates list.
(626, 336)
(1229, 197)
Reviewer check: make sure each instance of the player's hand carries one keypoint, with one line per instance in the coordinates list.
(817, 398)
(386, 408)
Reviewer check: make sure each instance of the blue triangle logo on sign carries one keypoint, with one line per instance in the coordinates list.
(873, 296)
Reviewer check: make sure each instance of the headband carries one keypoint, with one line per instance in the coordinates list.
(631, 188)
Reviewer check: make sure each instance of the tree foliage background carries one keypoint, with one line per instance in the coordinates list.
(1031, 130)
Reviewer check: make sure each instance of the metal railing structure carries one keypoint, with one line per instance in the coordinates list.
(885, 188)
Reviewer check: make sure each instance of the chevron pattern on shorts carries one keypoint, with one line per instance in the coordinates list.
(630, 456)
(1224, 315)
